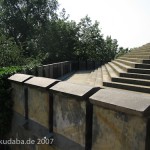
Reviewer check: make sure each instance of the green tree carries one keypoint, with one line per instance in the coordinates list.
(24, 19)
(10, 54)
(121, 51)
(110, 50)
(59, 41)
(91, 40)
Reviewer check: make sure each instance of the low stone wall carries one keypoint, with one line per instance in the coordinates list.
(88, 65)
(78, 117)
(54, 70)
(57, 70)
(72, 115)
(120, 120)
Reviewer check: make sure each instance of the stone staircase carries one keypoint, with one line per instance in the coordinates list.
(130, 71)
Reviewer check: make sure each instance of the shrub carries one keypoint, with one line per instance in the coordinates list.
(5, 100)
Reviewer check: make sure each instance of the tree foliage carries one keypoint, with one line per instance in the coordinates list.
(10, 54)
(5, 100)
(24, 19)
(110, 49)
(35, 32)
(121, 51)
(60, 40)
(92, 45)
(90, 40)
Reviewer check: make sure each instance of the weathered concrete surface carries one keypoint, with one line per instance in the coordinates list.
(124, 101)
(90, 78)
(79, 77)
(39, 99)
(19, 77)
(38, 105)
(119, 120)
(72, 114)
(40, 71)
(41, 82)
(69, 118)
(118, 131)
(51, 75)
(72, 89)
(46, 71)
(18, 98)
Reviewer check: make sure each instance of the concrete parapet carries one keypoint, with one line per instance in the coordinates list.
(46, 71)
(40, 71)
(79, 117)
(39, 100)
(72, 119)
(18, 92)
(120, 120)
(41, 82)
(77, 90)
(54, 70)
(19, 77)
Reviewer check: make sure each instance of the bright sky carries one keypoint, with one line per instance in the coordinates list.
(128, 21)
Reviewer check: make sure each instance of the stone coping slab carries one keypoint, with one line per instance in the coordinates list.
(124, 101)
(19, 77)
(82, 91)
(41, 82)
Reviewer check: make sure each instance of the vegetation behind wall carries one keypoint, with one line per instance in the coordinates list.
(5, 100)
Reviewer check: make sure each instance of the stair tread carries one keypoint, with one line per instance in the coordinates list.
(133, 62)
(129, 72)
(119, 70)
(133, 79)
(111, 72)
(122, 57)
(135, 54)
(129, 67)
(133, 85)
(121, 64)
(137, 74)
(105, 75)
(113, 75)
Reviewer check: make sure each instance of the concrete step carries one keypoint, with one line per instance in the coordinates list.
(138, 53)
(111, 72)
(105, 75)
(139, 70)
(145, 48)
(128, 63)
(138, 56)
(137, 88)
(135, 75)
(98, 81)
(117, 69)
(130, 69)
(146, 61)
(133, 64)
(121, 65)
(139, 50)
(91, 79)
(94, 74)
(131, 59)
(115, 78)
(95, 78)
(122, 73)
(142, 48)
(131, 81)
